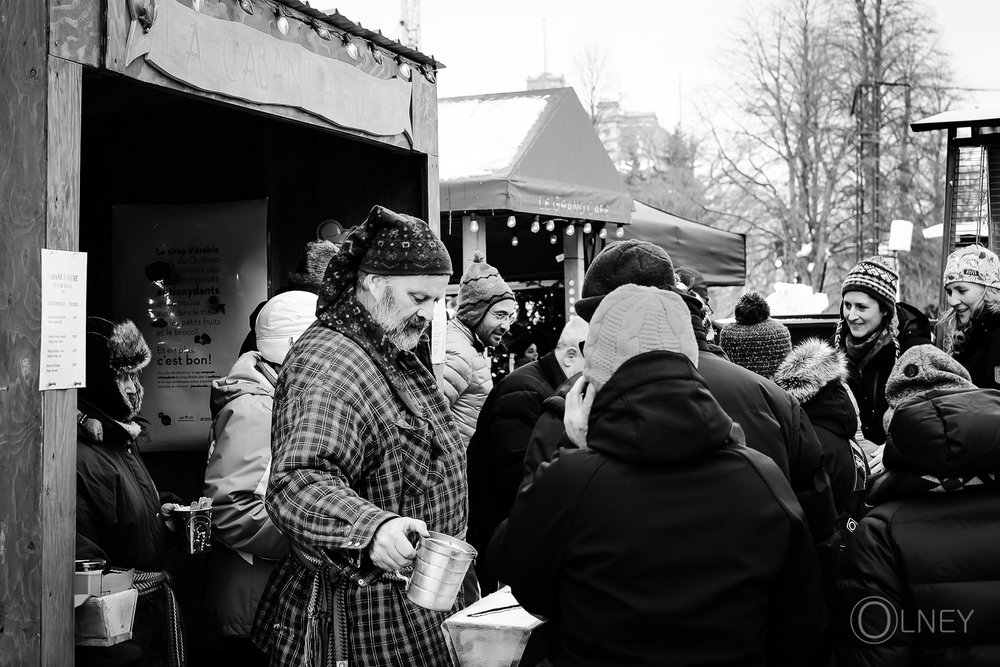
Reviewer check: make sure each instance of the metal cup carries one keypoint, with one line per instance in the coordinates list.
(196, 527)
(439, 570)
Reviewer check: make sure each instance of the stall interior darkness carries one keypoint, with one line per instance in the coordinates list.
(143, 145)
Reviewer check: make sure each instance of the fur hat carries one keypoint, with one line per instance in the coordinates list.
(755, 341)
(631, 320)
(809, 367)
(480, 289)
(388, 244)
(622, 263)
(308, 273)
(113, 350)
(973, 264)
(875, 278)
(281, 321)
(920, 369)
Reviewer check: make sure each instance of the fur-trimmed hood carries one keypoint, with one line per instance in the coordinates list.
(809, 367)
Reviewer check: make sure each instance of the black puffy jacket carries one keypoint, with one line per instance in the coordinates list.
(920, 582)
(980, 353)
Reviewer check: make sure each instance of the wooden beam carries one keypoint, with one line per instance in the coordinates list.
(574, 266)
(76, 29)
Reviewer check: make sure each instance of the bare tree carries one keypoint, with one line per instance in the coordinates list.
(596, 81)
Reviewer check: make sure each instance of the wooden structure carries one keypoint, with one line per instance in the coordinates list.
(166, 101)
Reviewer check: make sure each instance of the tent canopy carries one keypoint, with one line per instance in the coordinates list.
(531, 152)
(720, 256)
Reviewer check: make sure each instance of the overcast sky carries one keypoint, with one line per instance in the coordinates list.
(662, 53)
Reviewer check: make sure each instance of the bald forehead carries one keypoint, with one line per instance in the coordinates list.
(574, 331)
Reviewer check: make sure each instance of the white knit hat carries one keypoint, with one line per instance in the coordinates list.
(282, 320)
(633, 319)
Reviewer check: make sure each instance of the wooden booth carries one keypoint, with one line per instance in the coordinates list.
(181, 153)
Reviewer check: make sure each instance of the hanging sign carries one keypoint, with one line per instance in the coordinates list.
(228, 57)
(63, 352)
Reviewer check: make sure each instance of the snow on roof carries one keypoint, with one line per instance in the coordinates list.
(482, 136)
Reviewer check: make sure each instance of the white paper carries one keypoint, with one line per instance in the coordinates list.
(439, 329)
(63, 355)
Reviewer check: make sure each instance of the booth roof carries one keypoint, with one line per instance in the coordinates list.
(985, 116)
(339, 21)
(719, 255)
(527, 152)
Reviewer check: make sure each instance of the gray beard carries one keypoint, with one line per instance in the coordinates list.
(404, 333)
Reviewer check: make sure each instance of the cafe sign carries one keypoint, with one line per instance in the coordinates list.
(230, 58)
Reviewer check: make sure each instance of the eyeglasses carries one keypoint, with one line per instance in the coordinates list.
(505, 317)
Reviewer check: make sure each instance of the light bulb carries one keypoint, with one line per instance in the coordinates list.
(474, 225)
(553, 239)
(535, 227)
(513, 240)
(603, 233)
(620, 232)
(587, 228)
(550, 226)
(570, 229)
(511, 221)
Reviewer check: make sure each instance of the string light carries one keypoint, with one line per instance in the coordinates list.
(553, 239)
(550, 226)
(376, 52)
(404, 68)
(620, 232)
(321, 30)
(429, 73)
(513, 239)
(570, 229)
(282, 20)
(474, 225)
(247, 6)
(535, 226)
(587, 228)
(350, 46)
(603, 233)
(511, 222)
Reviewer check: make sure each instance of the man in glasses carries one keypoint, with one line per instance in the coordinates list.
(486, 310)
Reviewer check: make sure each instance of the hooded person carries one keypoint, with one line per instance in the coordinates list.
(872, 331)
(972, 283)
(366, 456)
(773, 422)
(927, 549)
(652, 438)
(239, 461)
(119, 513)
(486, 310)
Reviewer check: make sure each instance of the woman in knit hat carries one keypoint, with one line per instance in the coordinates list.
(873, 330)
(662, 540)
(972, 282)
(919, 576)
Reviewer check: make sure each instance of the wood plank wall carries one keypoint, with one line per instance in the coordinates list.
(38, 208)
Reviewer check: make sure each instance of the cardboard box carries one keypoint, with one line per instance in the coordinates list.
(106, 620)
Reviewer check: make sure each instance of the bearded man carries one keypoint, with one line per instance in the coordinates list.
(366, 456)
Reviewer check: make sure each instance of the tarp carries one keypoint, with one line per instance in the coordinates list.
(719, 255)
(531, 152)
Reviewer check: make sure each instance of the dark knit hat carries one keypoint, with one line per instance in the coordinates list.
(622, 263)
(755, 341)
(481, 287)
(692, 280)
(113, 350)
(875, 278)
(309, 272)
(920, 369)
(387, 244)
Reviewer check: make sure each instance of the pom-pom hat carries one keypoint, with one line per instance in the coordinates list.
(973, 264)
(755, 341)
(481, 288)
(876, 279)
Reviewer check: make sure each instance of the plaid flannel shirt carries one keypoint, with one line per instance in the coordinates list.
(352, 449)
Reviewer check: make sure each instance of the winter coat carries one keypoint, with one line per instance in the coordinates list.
(867, 379)
(239, 461)
(549, 434)
(496, 452)
(666, 541)
(815, 374)
(118, 520)
(980, 352)
(927, 552)
(467, 377)
(361, 434)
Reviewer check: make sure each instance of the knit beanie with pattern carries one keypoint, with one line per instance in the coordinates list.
(876, 279)
(480, 289)
(755, 341)
(631, 320)
(622, 263)
(920, 369)
(973, 264)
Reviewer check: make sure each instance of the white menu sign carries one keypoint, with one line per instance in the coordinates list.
(63, 356)
(439, 332)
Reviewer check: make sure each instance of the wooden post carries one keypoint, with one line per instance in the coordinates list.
(472, 241)
(40, 120)
(573, 269)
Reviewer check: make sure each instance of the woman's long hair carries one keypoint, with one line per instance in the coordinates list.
(949, 323)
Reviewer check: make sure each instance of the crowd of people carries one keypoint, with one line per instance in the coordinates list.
(662, 495)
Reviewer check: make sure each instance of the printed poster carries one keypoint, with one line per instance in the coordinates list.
(188, 276)
(64, 320)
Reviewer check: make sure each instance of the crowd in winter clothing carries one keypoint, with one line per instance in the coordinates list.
(659, 498)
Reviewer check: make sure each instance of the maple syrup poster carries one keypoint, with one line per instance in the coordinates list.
(189, 276)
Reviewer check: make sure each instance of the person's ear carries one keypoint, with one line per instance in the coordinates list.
(376, 285)
(570, 356)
